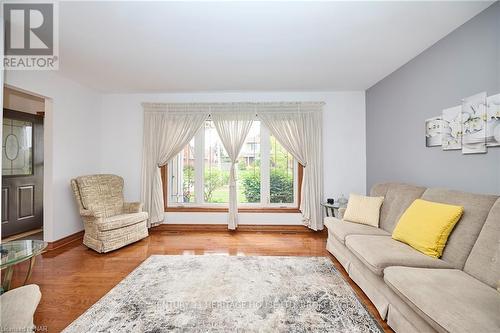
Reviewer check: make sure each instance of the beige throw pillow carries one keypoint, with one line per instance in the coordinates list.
(364, 210)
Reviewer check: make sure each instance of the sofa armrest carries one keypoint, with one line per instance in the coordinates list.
(132, 207)
(18, 308)
(341, 212)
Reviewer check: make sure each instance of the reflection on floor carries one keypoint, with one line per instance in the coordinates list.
(36, 234)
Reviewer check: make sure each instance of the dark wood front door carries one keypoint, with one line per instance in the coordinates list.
(22, 172)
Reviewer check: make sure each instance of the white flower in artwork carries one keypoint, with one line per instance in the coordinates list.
(475, 124)
(474, 117)
(456, 128)
(452, 128)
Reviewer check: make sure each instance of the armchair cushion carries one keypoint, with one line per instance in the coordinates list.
(122, 220)
(102, 194)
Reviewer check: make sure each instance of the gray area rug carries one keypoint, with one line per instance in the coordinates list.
(229, 294)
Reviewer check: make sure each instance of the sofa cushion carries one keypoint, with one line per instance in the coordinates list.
(122, 220)
(451, 300)
(483, 262)
(426, 225)
(379, 252)
(379, 190)
(341, 229)
(363, 209)
(465, 233)
(397, 198)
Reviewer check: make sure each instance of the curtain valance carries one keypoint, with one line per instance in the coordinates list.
(256, 107)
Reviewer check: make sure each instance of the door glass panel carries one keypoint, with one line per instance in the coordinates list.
(17, 147)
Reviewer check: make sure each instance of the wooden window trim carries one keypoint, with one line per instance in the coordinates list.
(300, 176)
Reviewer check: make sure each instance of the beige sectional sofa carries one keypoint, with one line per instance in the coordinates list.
(414, 292)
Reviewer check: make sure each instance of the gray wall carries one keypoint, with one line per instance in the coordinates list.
(465, 62)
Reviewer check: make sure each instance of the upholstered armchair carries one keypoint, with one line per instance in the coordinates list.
(109, 222)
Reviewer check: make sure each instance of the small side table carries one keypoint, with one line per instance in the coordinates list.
(331, 208)
(15, 252)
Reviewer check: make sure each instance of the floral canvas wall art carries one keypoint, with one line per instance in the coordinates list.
(452, 132)
(474, 124)
(433, 132)
(472, 127)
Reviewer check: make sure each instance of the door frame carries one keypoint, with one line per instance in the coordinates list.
(48, 187)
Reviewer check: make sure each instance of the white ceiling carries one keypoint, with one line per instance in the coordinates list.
(214, 46)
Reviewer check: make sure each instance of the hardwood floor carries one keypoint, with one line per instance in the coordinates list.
(72, 277)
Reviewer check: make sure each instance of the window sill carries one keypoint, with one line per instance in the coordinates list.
(240, 210)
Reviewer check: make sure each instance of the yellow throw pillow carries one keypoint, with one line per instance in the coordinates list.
(364, 210)
(426, 225)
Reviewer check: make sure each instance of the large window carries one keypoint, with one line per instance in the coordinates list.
(198, 177)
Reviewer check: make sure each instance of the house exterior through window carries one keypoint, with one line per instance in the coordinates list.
(268, 177)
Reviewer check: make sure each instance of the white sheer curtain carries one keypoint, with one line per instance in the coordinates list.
(298, 128)
(168, 127)
(233, 128)
(166, 131)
